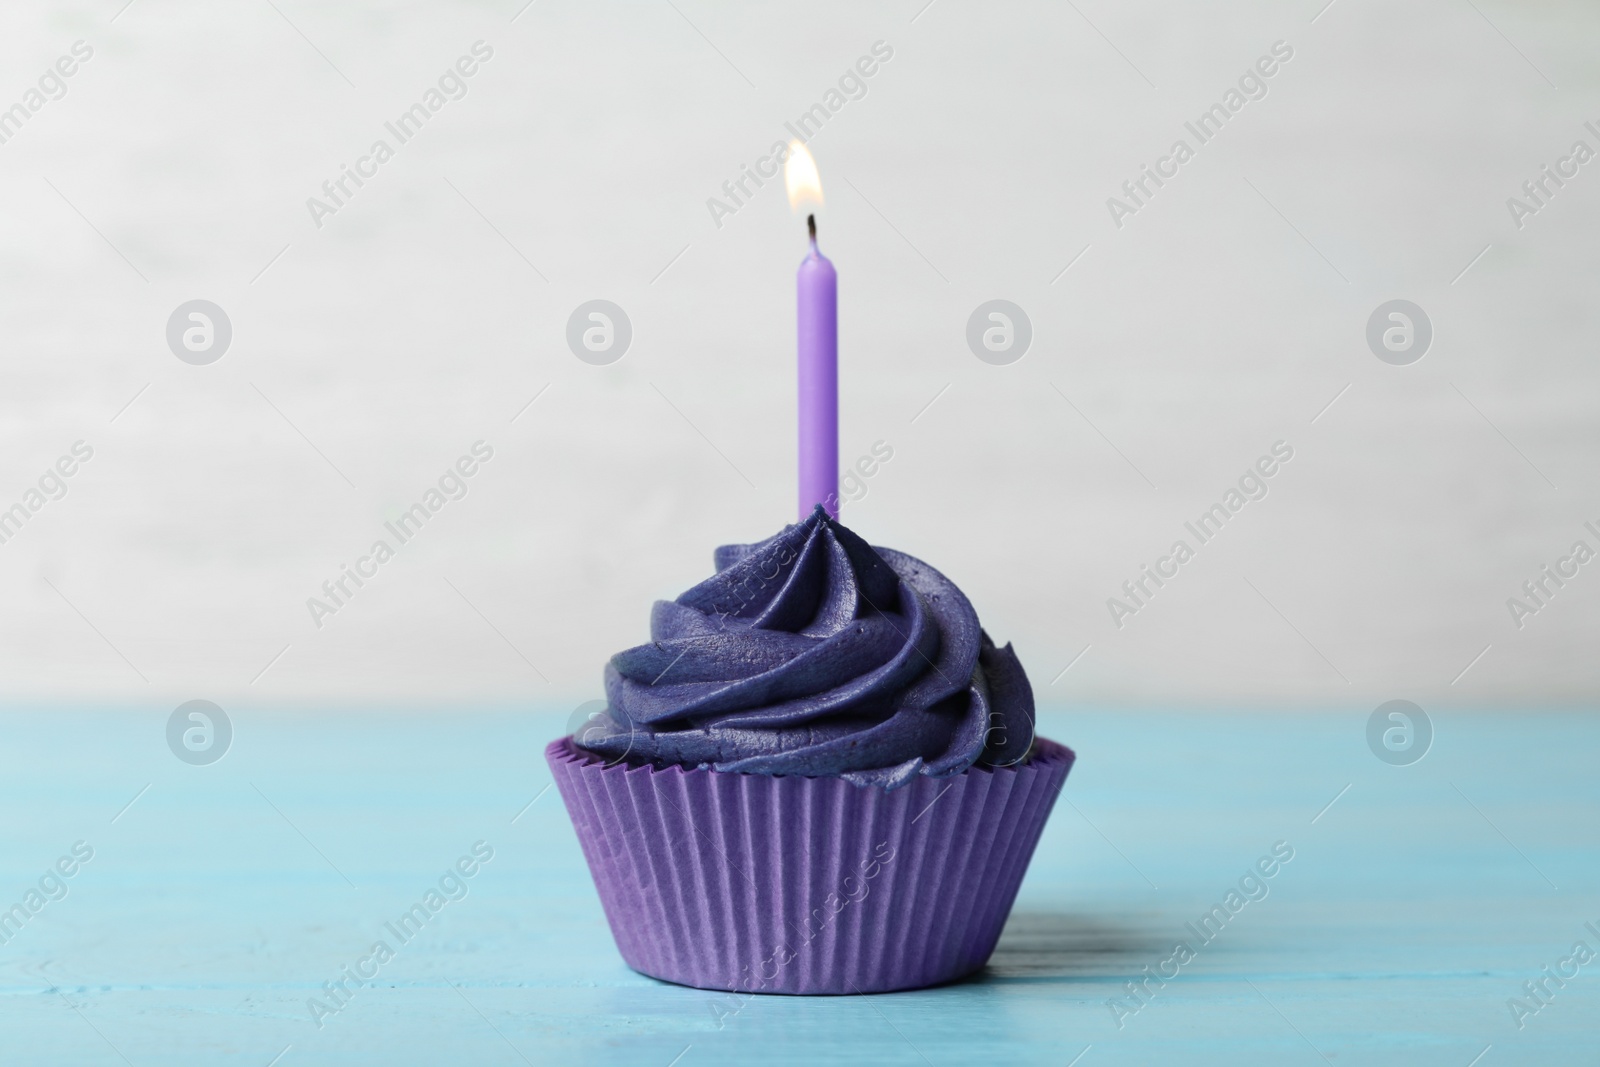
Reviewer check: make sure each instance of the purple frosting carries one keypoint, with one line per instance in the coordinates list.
(813, 653)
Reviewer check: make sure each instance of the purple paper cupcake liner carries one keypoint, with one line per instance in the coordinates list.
(760, 884)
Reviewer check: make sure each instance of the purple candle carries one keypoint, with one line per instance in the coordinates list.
(817, 293)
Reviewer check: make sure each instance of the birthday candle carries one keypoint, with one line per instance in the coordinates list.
(817, 303)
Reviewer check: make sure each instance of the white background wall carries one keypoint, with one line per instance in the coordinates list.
(422, 317)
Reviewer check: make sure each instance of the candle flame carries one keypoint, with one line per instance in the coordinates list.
(800, 177)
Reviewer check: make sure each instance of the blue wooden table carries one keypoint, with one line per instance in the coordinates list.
(222, 904)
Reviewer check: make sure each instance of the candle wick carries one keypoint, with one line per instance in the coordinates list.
(811, 226)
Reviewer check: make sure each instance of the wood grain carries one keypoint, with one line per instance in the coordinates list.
(220, 901)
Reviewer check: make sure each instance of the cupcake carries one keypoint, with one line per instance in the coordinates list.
(820, 776)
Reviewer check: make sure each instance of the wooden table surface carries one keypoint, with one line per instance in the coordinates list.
(219, 902)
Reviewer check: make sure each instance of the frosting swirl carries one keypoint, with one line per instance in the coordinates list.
(813, 653)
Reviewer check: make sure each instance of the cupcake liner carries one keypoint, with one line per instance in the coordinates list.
(761, 884)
